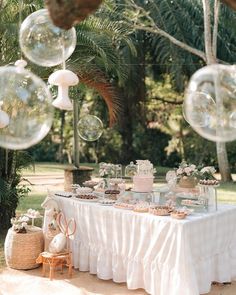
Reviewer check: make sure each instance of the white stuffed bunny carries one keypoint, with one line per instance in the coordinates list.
(60, 242)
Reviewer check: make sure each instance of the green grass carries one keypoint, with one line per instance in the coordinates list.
(56, 168)
(53, 168)
(33, 201)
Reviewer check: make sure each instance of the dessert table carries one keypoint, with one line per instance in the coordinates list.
(160, 254)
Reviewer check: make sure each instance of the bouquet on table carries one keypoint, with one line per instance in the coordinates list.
(20, 224)
(108, 171)
(207, 176)
(187, 175)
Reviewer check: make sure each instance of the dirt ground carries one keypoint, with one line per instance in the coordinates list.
(31, 282)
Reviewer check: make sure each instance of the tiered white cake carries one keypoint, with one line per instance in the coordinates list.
(143, 180)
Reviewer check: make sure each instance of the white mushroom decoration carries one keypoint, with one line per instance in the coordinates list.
(63, 79)
(21, 63)
(4, 118)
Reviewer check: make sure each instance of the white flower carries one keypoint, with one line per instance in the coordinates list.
(208, 169)
(24, 224)
(23, 219)
(193, 167)
(179, 171)
(188, 170)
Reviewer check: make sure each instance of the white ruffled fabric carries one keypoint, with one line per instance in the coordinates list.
(159, 254)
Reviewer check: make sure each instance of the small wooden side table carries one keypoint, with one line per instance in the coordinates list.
(22, 249)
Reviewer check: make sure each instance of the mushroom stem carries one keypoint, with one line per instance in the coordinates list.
(63, 101)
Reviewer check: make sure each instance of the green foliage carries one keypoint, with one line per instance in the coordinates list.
(11, 189)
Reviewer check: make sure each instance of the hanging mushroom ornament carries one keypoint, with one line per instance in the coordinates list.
(63, 79)
(4, 118)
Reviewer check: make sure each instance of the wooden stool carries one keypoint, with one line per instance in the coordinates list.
(54, 261)
(63, 257)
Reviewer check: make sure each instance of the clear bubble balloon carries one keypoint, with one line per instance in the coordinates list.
(210, 103)
(43, 43)
(27, 101)
(199, 109)
(90, 128)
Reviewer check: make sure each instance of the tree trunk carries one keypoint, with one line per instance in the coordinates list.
(133, 105)
(223, 162)
(211, 51)
(76, 136)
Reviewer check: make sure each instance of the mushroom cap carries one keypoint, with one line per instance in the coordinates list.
(21, 63)
(63, 77)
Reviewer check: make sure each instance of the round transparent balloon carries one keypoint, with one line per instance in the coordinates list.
(43, 43)
(210, 103)
(90, 128)
(199, 109)
(27, 101)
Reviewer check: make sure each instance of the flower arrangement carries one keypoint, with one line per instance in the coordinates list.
(110, 170)
(20, 224)
(207, 173)
(31, 213)
(187, 170)
(106, 170)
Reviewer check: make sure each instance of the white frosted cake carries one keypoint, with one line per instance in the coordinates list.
(142, 184)
(143, 180)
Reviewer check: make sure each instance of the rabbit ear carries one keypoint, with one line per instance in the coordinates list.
(61, 220)
(71, 227)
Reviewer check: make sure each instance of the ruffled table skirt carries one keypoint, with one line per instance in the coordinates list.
(164, 256)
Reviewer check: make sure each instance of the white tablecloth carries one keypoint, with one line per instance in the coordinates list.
(164, 256)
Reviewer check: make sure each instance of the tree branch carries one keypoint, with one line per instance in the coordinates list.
(157, 30)
(169, 101)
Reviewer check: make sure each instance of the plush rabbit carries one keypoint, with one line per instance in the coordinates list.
(60, 242)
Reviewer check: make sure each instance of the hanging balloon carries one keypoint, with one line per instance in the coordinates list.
(210, 102)
(27, 102)
(201, 109)
(42, 42)
(90, 128)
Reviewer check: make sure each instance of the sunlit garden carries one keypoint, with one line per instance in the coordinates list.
(118, 147)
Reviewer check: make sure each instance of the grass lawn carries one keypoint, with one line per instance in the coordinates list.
(55, 168)
(226, 192)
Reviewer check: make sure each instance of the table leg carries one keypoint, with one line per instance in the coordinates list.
(51, 273)
(44, 269)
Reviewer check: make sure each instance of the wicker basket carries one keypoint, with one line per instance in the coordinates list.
(187, 182)
(22, 250)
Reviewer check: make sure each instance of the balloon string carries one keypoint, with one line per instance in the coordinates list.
(63, 51)
(20, 22)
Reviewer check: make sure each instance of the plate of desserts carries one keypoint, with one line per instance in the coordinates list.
(161, 210)
(63, 194)
(178, 214)
(193, 203)
(142, 207)
(106, 202)
(87, 198)
(125, 206)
